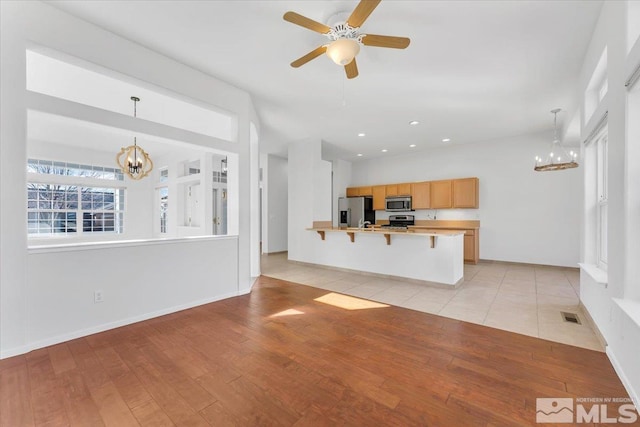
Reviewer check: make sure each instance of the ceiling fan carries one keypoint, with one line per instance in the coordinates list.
(345, 37)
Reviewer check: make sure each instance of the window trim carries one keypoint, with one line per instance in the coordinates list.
(80, 182)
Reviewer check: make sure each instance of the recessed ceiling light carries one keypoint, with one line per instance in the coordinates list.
(446, 140)
(362, 134)
(384, 150)
(412, 145)
(359, 154)
(414, 122)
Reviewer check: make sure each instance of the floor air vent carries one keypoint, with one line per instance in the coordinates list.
(570, 317)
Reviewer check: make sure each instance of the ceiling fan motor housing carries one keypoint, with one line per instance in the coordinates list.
(343, 30)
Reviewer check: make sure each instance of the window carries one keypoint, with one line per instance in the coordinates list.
(56, 206)
(597, 192)
(164, 175)
(602, 202)
(48, 167)
(163, 195)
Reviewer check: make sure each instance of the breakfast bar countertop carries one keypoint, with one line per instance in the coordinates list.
(380, 230)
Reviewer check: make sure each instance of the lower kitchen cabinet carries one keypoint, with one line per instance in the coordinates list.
(471, 246)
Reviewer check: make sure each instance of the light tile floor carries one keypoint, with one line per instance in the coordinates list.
(521, 298)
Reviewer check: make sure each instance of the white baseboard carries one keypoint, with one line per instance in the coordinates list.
(16, 351)
(623, 378)
(593, 324)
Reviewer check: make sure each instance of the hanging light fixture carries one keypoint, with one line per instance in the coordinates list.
(133, 160)
(558, 158)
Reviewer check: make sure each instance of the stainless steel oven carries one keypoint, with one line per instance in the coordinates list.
(398, 204)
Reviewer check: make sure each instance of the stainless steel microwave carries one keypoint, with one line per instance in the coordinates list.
(398, 204)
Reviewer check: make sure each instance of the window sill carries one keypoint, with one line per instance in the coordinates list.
(631, 308)
(597, 274)
(81, 246)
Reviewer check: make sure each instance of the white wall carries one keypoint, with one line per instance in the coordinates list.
(525, 216)
(38, 25)
(615, 305)
(275, 203)
(309, 195)
(138, 281)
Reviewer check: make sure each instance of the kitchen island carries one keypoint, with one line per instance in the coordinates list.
(412, 254)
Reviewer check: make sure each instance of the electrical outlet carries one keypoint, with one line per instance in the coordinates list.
(97, 296)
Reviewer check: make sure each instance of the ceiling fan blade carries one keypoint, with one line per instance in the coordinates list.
(305, 22)
(351, 69)
(385, 41)
(362, 12)
(309, 56)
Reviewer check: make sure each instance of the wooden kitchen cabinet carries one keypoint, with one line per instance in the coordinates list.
(441, 194)
(465, 193)
(392, 189)
(404, 189)
(359, 191)
(365, 191)
(379, 195)
(460, 193)
(471, 246)
(420, 195)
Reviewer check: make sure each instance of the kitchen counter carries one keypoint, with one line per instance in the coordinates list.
(380, 230)
(426, 255)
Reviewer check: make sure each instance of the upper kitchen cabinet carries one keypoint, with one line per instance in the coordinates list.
(445, 194)
(379, 195)
(398, 189)
(391, 189)
(365, 191)
(465, 193)
(404, 189)
(420, 195)
(441, 196)
(359, 191)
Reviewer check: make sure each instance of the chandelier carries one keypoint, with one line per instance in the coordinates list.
(133, 160)
(558, 158)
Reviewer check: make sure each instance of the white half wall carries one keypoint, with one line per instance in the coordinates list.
(525, 216)
(138, 281)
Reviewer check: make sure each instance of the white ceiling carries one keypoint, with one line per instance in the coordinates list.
(475, 70)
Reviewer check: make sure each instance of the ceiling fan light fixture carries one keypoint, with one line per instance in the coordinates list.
(342, 51)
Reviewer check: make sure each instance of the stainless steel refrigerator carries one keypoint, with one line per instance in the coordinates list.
(353, 211)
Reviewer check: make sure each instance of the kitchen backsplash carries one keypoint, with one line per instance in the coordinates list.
(459, 214)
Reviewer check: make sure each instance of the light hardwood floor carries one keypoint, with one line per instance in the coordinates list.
(293, 355)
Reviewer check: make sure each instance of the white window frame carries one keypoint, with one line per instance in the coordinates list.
(79, 182)
(602, 198)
